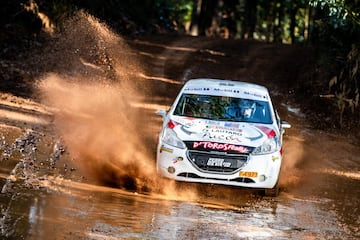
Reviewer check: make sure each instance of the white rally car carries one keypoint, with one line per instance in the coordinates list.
(222, 132)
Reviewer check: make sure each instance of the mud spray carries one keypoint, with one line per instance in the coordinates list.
(92, 82)
(290, 175)
(91, 90)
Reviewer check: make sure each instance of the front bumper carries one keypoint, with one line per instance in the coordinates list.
(259, 171)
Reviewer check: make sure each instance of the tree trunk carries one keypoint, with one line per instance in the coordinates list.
(250, 19)
(231, 15)
(279, 21)
(194, 26)
(293, 11)
(206, 15)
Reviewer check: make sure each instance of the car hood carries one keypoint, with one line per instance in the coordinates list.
(237, 133)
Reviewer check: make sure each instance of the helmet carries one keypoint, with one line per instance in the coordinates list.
(205, 106)
(247, 108)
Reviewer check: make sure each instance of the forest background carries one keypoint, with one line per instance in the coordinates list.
(330, 28)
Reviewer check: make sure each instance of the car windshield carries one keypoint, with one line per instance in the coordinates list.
(223, 108)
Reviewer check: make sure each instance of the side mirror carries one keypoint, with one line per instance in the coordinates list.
(285, 124)
(162, 113)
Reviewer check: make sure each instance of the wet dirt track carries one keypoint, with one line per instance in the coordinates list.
(321, 205)
(48, 194)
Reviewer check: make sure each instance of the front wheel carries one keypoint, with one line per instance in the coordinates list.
(272, 192)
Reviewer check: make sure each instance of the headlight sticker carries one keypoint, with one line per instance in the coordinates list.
(165, 149)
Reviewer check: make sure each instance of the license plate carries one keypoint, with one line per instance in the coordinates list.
(215, 162)
(248, 174)
(218, 162)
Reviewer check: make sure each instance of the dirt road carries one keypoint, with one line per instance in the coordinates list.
(77, 159)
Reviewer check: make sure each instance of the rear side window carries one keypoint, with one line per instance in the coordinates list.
(223, 108)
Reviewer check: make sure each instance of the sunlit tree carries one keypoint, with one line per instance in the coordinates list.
(339, 33)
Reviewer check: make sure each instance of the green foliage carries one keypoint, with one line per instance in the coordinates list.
(339, 34)
(340, 9)
(346, 84)
(56, 10)
(129, 16)
(175, 14)
(14, 17)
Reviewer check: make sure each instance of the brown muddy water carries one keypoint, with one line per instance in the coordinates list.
(81, 164)
(42, 200)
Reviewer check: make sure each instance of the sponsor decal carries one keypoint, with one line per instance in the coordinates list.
(196, 89)
(178, 159)
(254, 94)
(228, 90)
(211, 130)
(220, 147)
(254, 138)
(183, 128)
(268, 131)
(213, 123)
(190, 118)
(222, 134)
(232, 125)
(187, 121)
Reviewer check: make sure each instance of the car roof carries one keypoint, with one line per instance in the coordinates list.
(230, 88)
(211, 82)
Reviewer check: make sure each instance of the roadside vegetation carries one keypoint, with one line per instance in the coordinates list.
(331, 28)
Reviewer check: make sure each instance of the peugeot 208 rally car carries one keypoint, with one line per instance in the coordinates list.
(222, 132)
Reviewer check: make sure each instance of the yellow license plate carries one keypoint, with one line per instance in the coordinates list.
(248, 174)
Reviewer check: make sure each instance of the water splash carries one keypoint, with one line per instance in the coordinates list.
(91, 91)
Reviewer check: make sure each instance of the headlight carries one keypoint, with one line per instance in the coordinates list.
(269, 146)
(172, 139)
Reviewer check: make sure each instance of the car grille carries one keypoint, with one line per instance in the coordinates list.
(217, 162)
